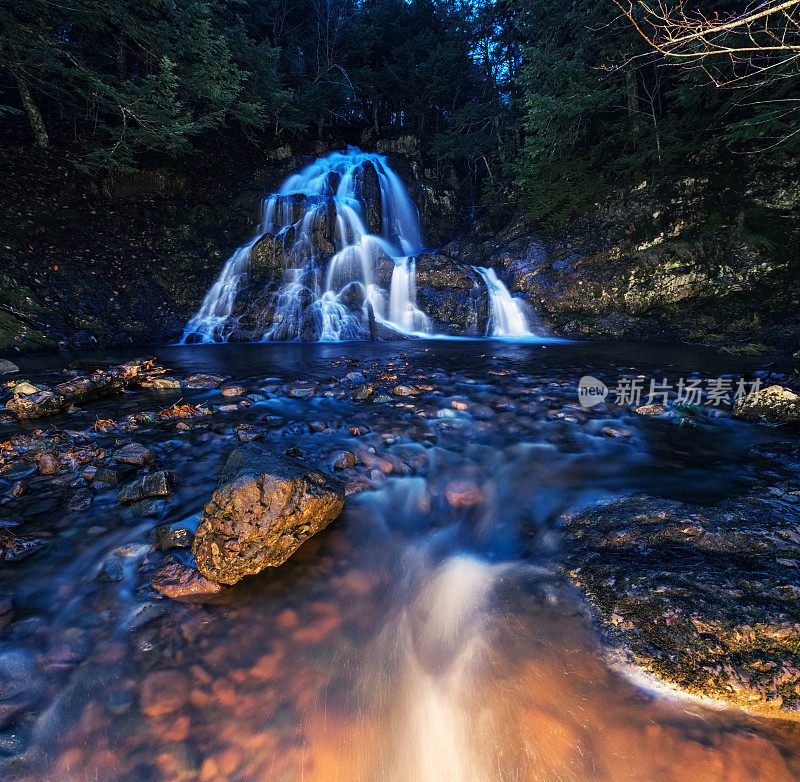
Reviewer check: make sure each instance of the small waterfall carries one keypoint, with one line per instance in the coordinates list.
(344, 221)
(208, 324)
(403, 309)
(507, 316)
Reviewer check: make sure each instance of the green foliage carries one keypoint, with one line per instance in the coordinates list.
(532, 103)
(600, 110)
(140, 75)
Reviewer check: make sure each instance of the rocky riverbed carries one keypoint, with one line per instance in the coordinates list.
(497, 563)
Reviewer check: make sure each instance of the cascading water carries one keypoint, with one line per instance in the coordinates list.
(507, 318)
(341, 224)
(209, 322)
(335, 258)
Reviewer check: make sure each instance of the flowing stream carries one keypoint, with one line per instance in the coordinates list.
(428, 634)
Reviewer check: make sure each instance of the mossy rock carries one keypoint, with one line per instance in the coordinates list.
(16, 335)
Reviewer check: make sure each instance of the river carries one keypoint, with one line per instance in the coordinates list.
(430, 633)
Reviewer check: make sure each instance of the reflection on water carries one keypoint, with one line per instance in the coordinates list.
(427, 635)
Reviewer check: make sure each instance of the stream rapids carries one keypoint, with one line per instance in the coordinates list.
(430, 633)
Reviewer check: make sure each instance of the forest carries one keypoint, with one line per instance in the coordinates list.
(536, 104)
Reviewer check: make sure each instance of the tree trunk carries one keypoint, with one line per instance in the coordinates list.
(633, 92)
(121, 61)
(40, 136)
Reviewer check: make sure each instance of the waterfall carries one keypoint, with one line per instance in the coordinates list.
(343, 222)
(507, 316)
(338, 244)
(208, 324)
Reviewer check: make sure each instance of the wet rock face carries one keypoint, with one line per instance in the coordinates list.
(370, 188)
(265, 507)
(772, 405)
(702, 597)
(451, 293)
(269, 259)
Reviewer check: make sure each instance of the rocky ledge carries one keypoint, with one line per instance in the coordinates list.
(704, 598)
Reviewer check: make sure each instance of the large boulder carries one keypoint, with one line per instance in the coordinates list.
(265, 507)
(773, 405)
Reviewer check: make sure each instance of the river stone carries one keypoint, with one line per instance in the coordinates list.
(13, 549)
(18, 488)
(364, 392)
(265, 507)
(405, 390)
(166, 382)
(176, 580)
(81, 500)
(154, 484)
(135, 454)
(302, 389)
(110, 476)
(773, 405)
(654, 409)
(204, 381)
(164, 692)
(179, 534)
(344, 459)
(7, 367)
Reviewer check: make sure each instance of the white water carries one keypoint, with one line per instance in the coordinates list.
(208, 324)
(437, 648)
(507, 316)
(310, 299)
